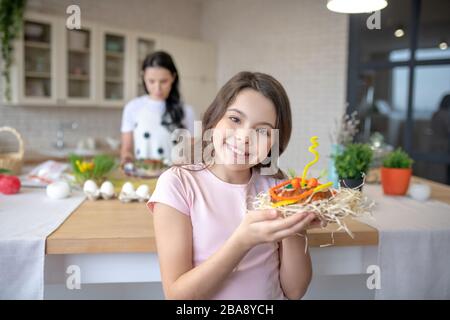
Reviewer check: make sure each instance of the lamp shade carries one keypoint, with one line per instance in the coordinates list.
(356, 6)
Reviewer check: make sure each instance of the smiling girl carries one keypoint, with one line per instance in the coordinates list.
(210, 246)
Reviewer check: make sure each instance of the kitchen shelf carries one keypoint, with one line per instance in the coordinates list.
(113, 80)
(79, 51)
(35, 74)
(79, 77)
(37, 44)
(116, 55)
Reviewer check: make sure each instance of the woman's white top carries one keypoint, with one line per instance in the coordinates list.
(143, 116)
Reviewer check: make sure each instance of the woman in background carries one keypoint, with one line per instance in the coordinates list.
(149, 120)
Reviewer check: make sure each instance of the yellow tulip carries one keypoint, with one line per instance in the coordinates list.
(84, 166)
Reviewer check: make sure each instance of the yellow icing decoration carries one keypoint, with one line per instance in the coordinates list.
(283, 203)
(312, 149)
(322, 186)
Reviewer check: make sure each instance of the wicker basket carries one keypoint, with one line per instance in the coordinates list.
(13, 160)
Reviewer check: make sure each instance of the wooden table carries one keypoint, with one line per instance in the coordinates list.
(113, 227)
(112, 243)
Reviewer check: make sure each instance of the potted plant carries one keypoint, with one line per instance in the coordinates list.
(96, 170)
(396, 173)
(11, 19)
(346, 129)
(352, 164)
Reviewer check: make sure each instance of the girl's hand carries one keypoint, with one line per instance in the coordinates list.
(263, 226)
(317, 223)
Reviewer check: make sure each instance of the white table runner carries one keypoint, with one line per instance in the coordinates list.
(26, 219)
(414, 246)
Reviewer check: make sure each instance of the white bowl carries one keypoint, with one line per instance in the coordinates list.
(419, 191)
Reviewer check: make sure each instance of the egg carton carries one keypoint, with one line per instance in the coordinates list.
(106, 192)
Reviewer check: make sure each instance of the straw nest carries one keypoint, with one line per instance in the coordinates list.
(343, 203)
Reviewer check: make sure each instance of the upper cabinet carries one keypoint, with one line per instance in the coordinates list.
(79, 71)
(115, 65)
(35, 65)
(99, 65)
(144, 45)
(196, 63)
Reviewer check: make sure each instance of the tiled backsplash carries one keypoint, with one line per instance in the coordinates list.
(38, 126)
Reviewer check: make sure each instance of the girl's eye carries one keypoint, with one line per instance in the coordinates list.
(235, 119)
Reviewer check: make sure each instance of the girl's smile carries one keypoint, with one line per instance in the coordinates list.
(237, 152)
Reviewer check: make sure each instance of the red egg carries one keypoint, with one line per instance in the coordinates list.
(9, 184)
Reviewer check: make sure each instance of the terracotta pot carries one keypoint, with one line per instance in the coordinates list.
(395, 181)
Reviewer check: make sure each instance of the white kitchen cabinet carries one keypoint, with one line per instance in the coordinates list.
(115, 67)
(199, 93)
(36, 62)
(100, 66)
(194, 59)
(340, 272)
(80, 67)
(143, 44)
(196, 63)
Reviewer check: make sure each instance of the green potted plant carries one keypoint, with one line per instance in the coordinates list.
(97, 169)
(11, 19)
(344, 134)
(352, 164)
(396, 173)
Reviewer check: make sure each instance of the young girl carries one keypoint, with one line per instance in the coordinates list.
(209, 245)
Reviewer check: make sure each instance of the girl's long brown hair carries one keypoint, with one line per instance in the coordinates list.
(267, 86)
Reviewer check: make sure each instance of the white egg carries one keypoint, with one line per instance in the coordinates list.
(107, 190)
(128, 188)
(58, 190)
(90, 186)
(143, 191)
(91, 190)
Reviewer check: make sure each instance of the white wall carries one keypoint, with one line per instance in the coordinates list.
(174, 17)
(300, 43)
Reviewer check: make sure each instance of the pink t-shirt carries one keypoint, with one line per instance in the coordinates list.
(216, 209)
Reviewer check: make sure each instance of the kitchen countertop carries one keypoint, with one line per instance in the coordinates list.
(114, 227)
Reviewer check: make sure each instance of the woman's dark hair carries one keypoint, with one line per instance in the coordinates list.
(445, 103)
(267, 86)
(174, 114)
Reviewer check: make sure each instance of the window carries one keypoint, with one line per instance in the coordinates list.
(405, 99)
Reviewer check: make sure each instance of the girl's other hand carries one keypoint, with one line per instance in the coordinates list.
(263, 226)
(317, 223)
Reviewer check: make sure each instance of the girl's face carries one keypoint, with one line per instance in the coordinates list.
(243, 137)
(158, 82)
